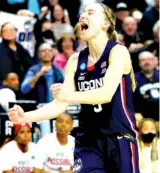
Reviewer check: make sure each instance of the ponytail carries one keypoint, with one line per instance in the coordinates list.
(113, 36)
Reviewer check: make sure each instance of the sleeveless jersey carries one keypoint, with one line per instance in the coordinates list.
(109, 118)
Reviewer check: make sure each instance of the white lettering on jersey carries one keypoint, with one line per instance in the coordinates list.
(89, 85)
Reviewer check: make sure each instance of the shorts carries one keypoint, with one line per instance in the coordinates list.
(108, 154)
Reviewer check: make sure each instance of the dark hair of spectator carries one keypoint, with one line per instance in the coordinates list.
(52, 16)
(60, 41)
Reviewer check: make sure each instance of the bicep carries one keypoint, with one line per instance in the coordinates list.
(119, 64)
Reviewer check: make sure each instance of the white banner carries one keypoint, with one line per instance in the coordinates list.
(25, 28)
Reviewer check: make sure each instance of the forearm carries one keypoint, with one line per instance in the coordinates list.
(34, 80)
(96, 96)
(49, 111)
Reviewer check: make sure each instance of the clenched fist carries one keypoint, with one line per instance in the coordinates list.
(16, 114)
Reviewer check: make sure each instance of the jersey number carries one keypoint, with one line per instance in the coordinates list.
(97, 108)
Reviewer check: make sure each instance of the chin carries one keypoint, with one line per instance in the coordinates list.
(87, 37)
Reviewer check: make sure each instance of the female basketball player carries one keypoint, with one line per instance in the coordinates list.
(101, 79)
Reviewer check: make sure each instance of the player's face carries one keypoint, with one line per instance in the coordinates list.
(64, 125)
(24, 135)
(91, 21)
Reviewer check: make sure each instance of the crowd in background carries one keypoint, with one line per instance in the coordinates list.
(39, 36)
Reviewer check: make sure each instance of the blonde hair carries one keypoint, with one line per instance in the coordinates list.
(113, 35)
(154, 150)
(109, 16)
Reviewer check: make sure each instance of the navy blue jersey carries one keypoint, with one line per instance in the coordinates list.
(111, 118)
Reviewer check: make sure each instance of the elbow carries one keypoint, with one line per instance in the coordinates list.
(106, 98)
(25, 88)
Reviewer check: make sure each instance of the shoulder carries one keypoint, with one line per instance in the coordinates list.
(35, 67)
(10, 146)
(46, 139)
(7, 91)
(72, 62)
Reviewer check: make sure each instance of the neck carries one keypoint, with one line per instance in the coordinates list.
(97, 45)
(63, 139)
(148, 74)
(23, 147)
(46, 63)
(12, 45)
(147, 144)
(58, 22)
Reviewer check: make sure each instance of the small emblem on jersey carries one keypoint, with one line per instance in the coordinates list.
(33, 157)
(103, 70)
(103, 64)
(83, 73)
(82, 66)
(81, 77)
(77, 166)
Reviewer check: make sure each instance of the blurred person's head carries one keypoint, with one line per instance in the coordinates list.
(53, 2)
(64, 125)
(11, 80)
(121, 11)
(8, 32)
(65, 43)
(58, 14)
(157, 2)
(148, 130)
(46, 25)
(156, 30)
(147, 62)
(45, 53)
(130, 26)
(22, 135)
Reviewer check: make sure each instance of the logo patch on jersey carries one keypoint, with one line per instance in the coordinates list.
(77, 166)
(81, 77)
(103, 64)
(82, 66)
(103, 70)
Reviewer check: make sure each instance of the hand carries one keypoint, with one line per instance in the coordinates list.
(58, 92)
(44, 70)
(24, 12)
(44, 11)
(16, 114)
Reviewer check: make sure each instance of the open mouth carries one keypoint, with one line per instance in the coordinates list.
(84, 27)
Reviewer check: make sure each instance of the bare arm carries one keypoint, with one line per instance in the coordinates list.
(9, 171)
(52, 109)
(119, 64)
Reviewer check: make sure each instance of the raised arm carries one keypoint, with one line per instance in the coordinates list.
(119, 64)
(52, 109)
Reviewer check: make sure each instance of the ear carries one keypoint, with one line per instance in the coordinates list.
(105, 25)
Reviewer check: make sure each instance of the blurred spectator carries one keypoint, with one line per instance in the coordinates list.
(41, 76)
(149, 147)
(66, 46)
(151, 47)
(73, 9)
(147, 94)
(18, 155)
(81, 43)
(48, 11)
(132, 37)
(44, 34)
(121, 11)
(9, 90)
(60, 27)
(150, 17)
(13, 57)
(55, 151)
